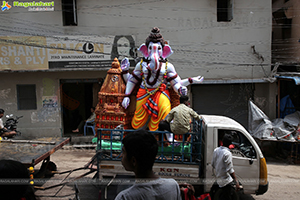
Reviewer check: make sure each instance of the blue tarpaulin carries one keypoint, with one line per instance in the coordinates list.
(295, 78)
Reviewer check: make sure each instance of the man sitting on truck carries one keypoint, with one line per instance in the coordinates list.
(223, 166)
(138, 155)
(181, 116)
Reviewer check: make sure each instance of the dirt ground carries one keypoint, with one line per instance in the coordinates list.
(69, 159)
(284, 179)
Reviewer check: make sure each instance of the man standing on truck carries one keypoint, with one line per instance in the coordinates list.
(138, 155)
(223, 166)
(181, 116)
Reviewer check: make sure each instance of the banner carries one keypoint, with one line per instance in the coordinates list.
(88, 51)
(63, 52)
(23, 53)
(79, 52)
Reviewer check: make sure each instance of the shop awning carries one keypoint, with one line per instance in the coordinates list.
(295, 78)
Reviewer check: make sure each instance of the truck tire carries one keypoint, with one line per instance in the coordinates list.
(234, 194)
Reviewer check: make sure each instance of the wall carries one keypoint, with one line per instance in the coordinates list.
(286, 50)
(217, 50)
(265, 98)
(42, 121)
(226, 51)
(201, 45)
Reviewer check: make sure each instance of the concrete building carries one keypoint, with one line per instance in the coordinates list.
(54, 57)
(286, 54)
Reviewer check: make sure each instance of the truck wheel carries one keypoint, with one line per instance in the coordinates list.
(234, 194)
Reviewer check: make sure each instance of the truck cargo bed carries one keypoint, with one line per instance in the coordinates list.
(186, 150)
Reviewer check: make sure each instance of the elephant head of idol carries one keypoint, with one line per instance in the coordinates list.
(155, 50)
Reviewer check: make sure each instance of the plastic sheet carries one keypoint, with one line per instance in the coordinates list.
(261, 127)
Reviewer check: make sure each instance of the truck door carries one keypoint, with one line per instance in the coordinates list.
(245, 162)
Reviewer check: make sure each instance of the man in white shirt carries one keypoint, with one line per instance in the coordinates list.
(138, 155)
(223, 166)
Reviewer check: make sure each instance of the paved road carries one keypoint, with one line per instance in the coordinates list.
(284, 178)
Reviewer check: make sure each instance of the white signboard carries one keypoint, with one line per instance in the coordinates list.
(88, 51)
(40, 53)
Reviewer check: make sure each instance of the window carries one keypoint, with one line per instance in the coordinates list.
(224, 10)
(69, 11)
(241, 147)
(26, 95)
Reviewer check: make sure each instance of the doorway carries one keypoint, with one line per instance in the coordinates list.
(77, 98)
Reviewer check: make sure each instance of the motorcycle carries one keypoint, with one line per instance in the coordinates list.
(11, 123)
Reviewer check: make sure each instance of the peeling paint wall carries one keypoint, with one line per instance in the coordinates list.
(46, 120)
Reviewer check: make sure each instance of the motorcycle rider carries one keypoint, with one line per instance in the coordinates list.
(3, 131)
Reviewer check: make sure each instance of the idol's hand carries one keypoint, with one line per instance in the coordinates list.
(125, 64)
(182, 91)
(198, 79)
(126, 102)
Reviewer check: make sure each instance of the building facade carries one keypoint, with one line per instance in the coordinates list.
(53, 60)
(286, 54)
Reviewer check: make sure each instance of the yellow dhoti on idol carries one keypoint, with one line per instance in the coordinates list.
(156, 106)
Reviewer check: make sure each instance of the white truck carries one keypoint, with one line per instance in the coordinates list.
(188, 159)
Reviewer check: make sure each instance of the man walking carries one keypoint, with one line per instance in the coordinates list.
(223, 166)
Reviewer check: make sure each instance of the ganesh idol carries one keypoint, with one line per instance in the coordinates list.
(153, 73)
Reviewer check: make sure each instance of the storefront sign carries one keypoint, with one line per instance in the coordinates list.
(23, 53)
(88, 51)
(63, 52)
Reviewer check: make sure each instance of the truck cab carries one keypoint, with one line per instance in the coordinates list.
(248, 161)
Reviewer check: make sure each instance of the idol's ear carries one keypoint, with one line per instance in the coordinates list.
(167, 51)
(144, 50)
